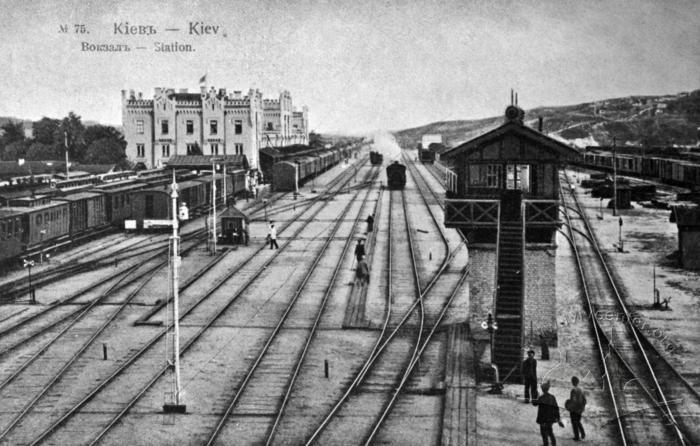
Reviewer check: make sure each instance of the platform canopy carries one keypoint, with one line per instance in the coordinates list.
(203, 162)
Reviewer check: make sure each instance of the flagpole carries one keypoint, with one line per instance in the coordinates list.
(65, 134)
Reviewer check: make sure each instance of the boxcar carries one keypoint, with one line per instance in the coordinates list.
(285, 176)
(87, 210)
(238, 179)
(117, 198)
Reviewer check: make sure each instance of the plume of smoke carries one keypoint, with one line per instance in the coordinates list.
(385, 143)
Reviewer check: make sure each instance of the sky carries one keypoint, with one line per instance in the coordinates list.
(359, 66)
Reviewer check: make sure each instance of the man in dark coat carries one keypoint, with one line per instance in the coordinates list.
(370, 222)
(360, 249)
(362, 272)
(529, 373)
(547, 415)
(575, 405)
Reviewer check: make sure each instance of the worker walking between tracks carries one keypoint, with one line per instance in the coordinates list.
(528, 371)
(360, 249)
(362, 271)
(575, 405)
(370, 222)
(272, 236)
(547, 415)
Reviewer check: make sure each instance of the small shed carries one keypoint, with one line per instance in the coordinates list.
(624, 197)
(234, 224)
(688, 221)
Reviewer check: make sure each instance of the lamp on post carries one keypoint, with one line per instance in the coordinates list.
(28, 264)
(265, 206)
(491, 326)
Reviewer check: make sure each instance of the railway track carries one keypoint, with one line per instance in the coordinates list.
(298, 359)
(652, 402)
(59, 313)
(115, 384)
(331, 428)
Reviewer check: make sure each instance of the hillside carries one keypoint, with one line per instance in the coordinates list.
(635, 120)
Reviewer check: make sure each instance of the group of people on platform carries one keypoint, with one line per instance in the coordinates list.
(547, 406)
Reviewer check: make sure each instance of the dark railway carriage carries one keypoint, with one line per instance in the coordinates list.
(13, 231)
(87, 211)
(286, 176)
(207, 181)
(151, 207)
(117, 200)
(396, 175)
(376, 158)
(46, 222)
(238, 179)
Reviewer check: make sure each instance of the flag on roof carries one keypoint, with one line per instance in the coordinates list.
(203, 79)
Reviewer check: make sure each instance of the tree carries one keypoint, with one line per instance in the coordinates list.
(39, 151)
(14, 150)
(105, 151)
(95, 132)
(46, 130)
(72, 130)
(11, 132)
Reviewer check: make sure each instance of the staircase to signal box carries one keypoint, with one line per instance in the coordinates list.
(509, 291)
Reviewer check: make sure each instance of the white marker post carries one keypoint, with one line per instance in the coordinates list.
(176, 407)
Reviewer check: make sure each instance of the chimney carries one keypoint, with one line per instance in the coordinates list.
(140, 95)
(539, 123)
(183, 90)
(203, 90)
(156, 91)
(131, 94)
(237, 94)
(222, 92)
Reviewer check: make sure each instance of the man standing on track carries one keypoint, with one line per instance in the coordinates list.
(362, 271)
(575, 405)
(360, 249)
(529, 374)
(547, 415)
(370, 223)
(272, 235)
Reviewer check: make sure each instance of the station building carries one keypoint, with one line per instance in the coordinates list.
(506, 202)
(211, 122)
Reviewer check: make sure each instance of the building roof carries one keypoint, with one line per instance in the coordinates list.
(205, 161)
(233, 212)
(10, 212)
(514, 127)
(78, 196)
(97, 168)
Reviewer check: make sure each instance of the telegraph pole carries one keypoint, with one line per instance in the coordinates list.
(213, 199)
(614, 176)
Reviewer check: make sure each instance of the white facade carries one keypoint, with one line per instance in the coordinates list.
(210, 122)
